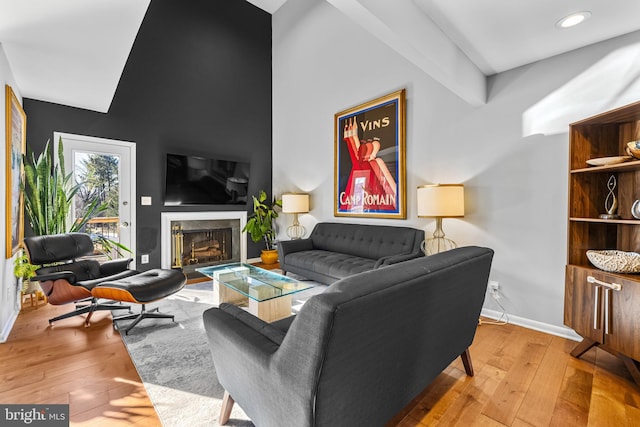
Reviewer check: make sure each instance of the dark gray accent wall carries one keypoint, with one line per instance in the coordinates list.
(197, 81)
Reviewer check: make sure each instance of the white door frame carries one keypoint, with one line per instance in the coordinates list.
(131, 146)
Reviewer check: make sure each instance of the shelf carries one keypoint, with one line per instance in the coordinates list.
(606, 221)
(618, 167)
(627, 276)
(589, 308)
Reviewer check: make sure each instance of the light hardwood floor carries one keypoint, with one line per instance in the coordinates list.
(87, 368)
(522, 378)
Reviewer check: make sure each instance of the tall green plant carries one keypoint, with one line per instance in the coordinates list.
(48, 197)
(260, 224)
(48, 194)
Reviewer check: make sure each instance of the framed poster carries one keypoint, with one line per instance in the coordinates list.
(369, 159)
(16, 123)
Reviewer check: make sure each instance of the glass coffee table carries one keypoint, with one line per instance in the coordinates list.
(267, 294)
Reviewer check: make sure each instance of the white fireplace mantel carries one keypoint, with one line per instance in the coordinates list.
(165, 229)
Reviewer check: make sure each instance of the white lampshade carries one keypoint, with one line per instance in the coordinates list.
(441, 200)
(295, 203)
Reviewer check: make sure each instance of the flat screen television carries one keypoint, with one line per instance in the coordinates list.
(195, 180)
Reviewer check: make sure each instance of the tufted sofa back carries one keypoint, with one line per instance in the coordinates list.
(367, 241)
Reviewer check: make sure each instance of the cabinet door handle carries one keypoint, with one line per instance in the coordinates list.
(596, 307)
(606, 310)
(613, 286)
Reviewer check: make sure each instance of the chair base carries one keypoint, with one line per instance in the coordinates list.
(91, 306)
(154, 313)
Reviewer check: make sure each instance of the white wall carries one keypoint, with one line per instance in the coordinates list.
(9, 306)
(516, 186)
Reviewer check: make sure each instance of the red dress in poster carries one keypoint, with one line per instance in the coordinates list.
(370, 186)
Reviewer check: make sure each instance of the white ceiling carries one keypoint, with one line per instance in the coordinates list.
(73, 52)
(69, 52)
(498, 35)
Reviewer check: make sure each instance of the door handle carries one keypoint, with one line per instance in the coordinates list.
(596, 307)
(125, 224)
(607, 302)
(613, 286)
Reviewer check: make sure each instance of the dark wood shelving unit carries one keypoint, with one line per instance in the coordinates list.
(601, 314)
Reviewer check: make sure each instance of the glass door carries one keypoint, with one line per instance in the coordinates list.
(104, 170)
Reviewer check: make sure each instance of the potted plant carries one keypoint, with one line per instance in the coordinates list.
(48, 197)
(260, 226)
(24, 271)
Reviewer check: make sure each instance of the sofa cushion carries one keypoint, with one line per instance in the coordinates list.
(367, 241)
(330, 263)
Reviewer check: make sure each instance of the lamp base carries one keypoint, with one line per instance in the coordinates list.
(436, 245)
(295, 231)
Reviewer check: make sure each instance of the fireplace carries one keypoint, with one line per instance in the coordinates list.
(192, 240)
(201, 247)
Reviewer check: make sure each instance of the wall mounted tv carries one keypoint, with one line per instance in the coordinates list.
(195, 180)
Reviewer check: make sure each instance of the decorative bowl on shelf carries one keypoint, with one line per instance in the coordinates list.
(615, 261)
(604, 161)
(633, 149)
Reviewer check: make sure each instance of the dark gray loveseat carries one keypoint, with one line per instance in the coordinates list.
(359, 352)
(334, 251)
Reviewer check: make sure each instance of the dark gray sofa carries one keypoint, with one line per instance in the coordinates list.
(358, 353)
(334, 251)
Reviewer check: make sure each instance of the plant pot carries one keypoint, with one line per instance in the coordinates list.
(269, 256)
(31, 287)
(33, 290)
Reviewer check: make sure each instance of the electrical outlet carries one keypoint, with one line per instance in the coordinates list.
(493, 285)
(144, 259)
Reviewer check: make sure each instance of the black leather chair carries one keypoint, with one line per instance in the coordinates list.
(64, 278)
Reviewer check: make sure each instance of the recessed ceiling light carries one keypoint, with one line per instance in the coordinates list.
(573, 19)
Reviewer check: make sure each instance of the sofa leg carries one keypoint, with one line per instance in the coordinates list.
(466, 361)
(225, 410)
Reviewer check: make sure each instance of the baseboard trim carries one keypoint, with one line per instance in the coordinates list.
(253, 260)
(4, 336)
(560, 331)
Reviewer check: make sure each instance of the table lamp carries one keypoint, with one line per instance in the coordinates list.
(440, 201)
(295, 203)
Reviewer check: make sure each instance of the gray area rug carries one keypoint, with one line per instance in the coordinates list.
(174, 362)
